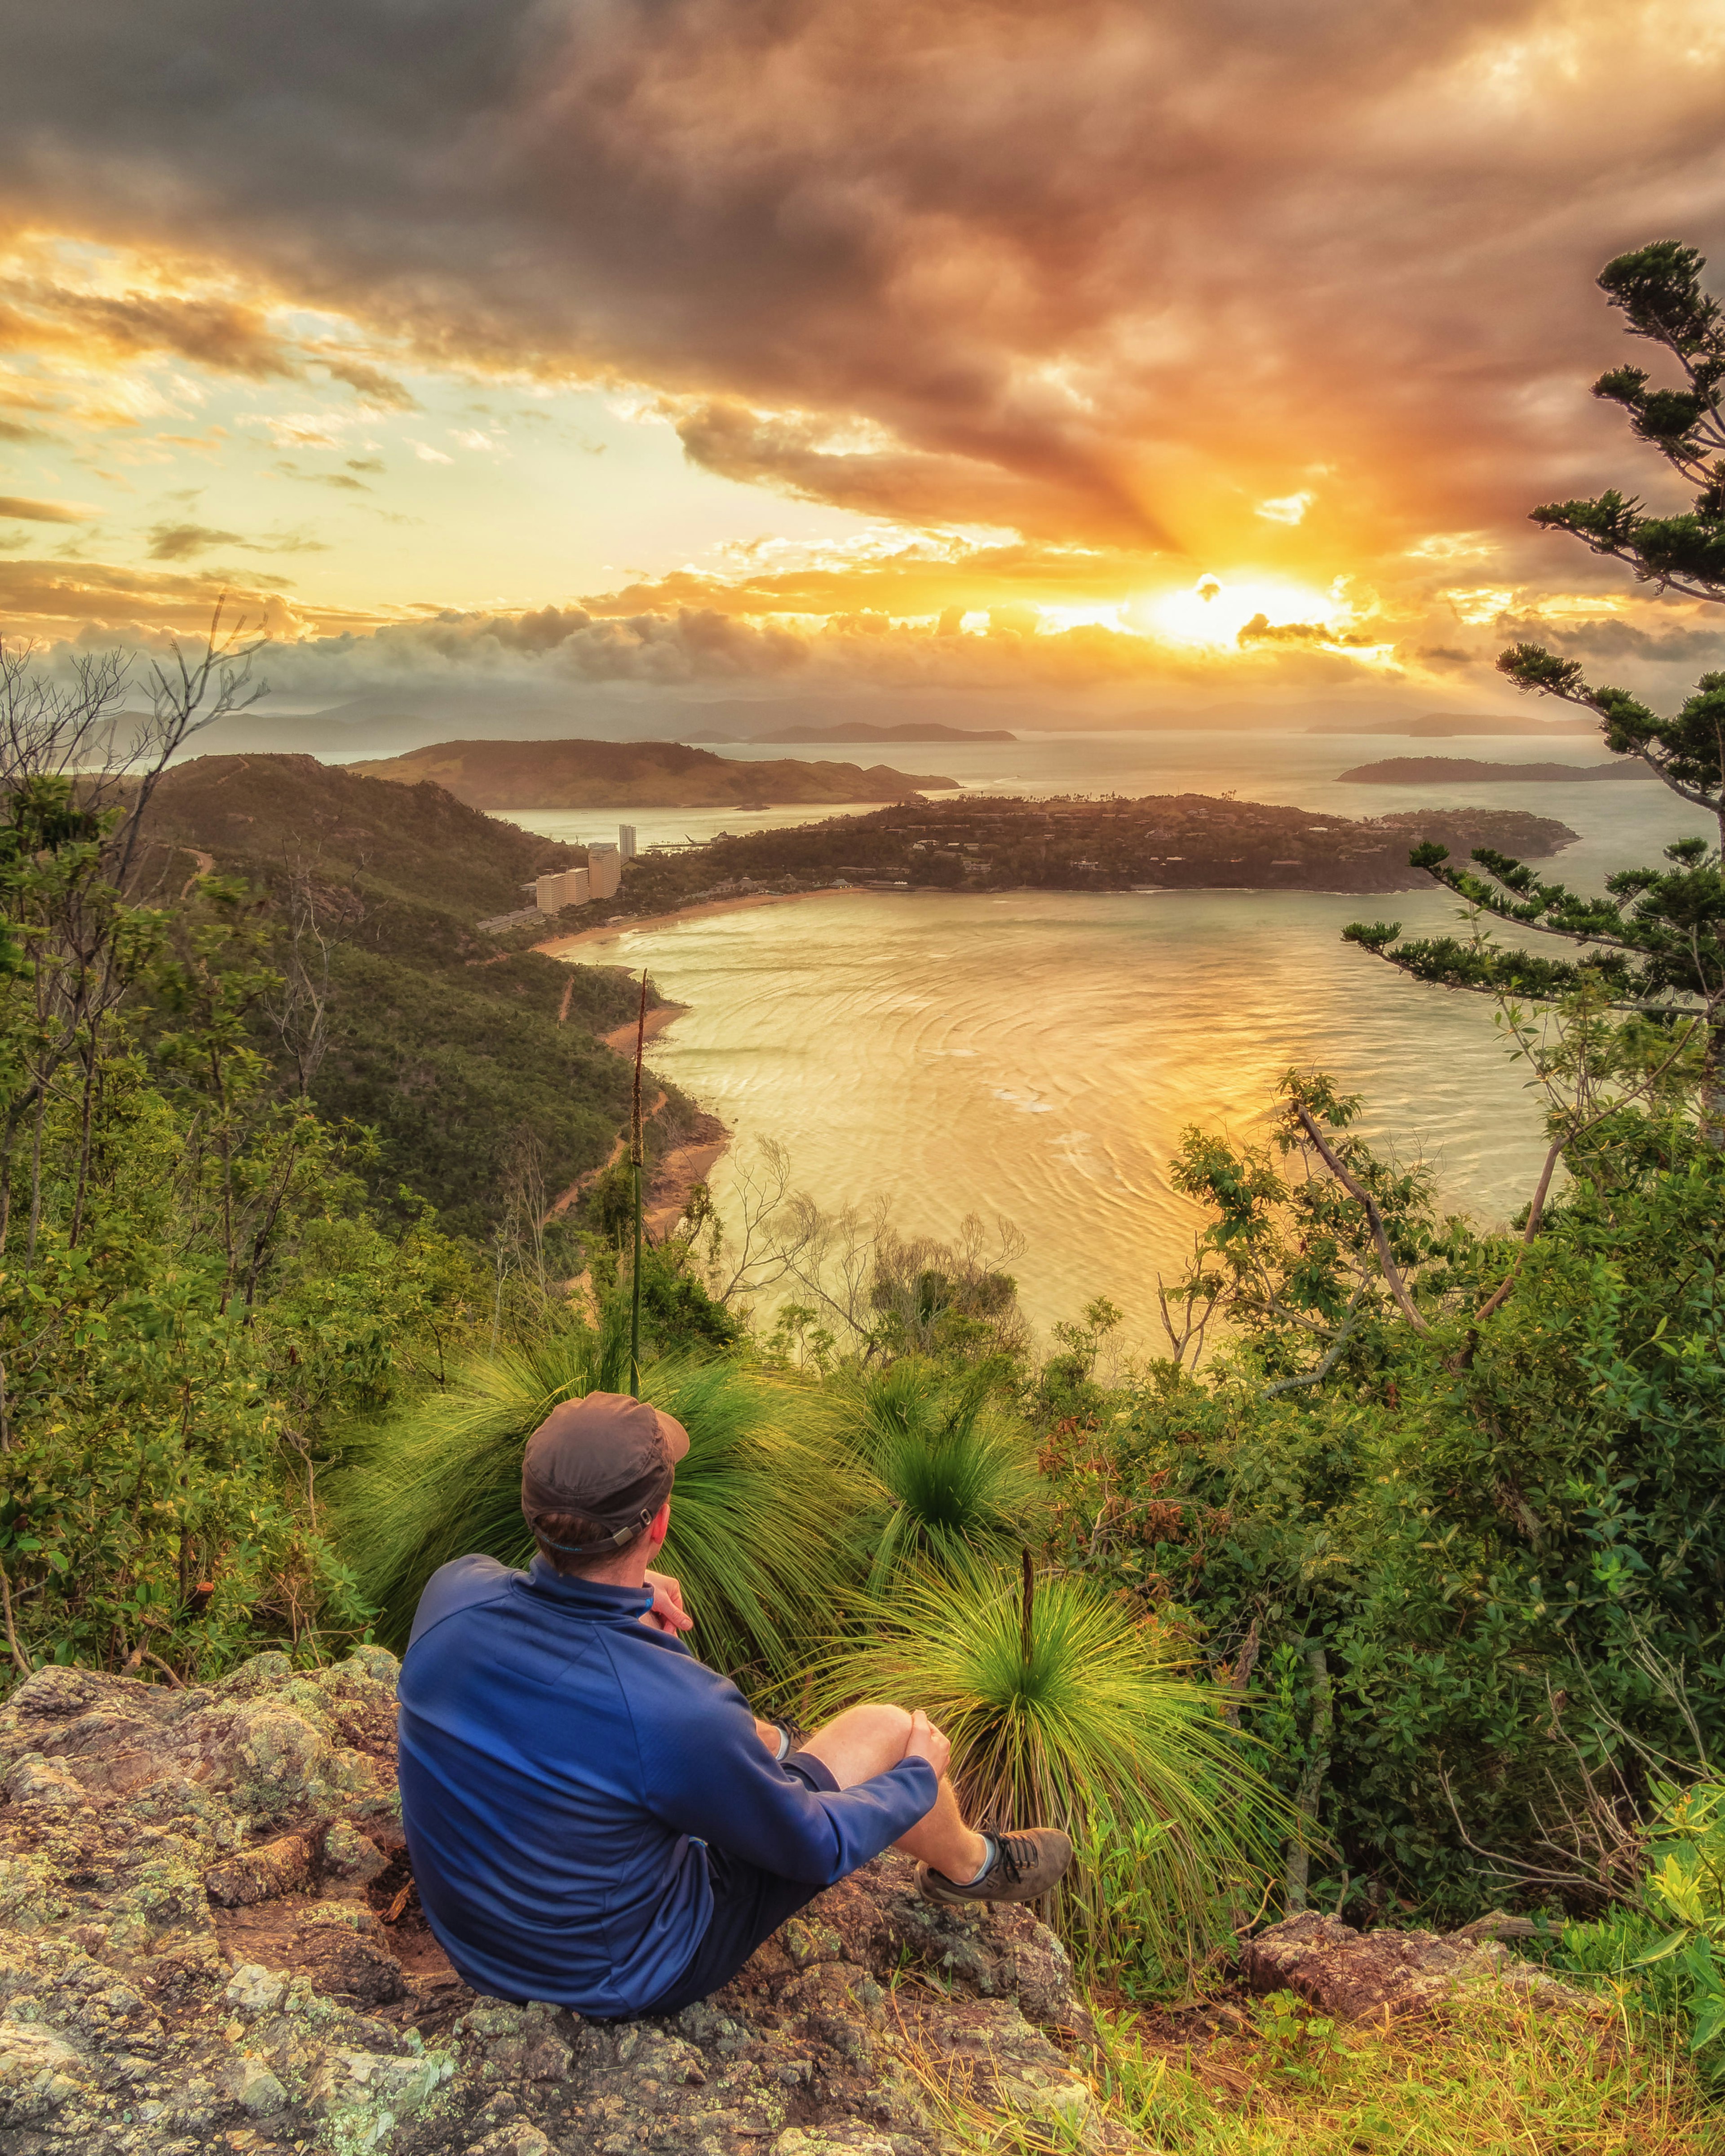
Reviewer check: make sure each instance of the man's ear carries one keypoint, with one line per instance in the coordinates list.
(660, 1526)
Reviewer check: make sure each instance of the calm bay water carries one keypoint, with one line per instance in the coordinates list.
(1037, 1055)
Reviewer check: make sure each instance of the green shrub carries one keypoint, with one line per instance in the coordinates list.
(1686, 1887)
(1502, 1534)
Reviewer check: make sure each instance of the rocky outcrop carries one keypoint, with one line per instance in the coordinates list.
(209, 1938)
(1389, 1976)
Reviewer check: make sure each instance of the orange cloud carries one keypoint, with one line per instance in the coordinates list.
(154, 315)
(1116, 271)
(99, 602)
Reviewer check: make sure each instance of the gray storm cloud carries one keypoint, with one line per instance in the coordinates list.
(1080, 268)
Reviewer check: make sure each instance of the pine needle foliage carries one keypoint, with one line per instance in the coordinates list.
(1064, 1710)
(955, 1476)
(760, 1518)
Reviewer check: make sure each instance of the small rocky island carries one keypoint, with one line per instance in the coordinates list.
(1162, 842)
(1472, 771)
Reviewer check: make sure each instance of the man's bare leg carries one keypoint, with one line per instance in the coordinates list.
(865, 1741)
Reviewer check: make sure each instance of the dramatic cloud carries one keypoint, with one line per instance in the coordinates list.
(1201, 343)
(46, 314)
(1147, 273)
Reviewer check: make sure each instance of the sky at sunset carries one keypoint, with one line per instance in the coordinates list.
(1129, 354)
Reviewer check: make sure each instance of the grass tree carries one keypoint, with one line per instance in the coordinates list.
(952, 1475)
(1653, 946)
(763, 1513)
(1065, 1710)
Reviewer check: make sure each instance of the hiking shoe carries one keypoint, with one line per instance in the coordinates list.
(1029, 1865)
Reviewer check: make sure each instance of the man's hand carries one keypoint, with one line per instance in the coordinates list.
(927, 1742)
(667, 1614)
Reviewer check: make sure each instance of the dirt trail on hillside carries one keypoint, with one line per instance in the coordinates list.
(677, 1172)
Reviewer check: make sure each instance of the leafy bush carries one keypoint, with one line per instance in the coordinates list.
(1686, 1886)
(1500, 1530)
(147, 1508)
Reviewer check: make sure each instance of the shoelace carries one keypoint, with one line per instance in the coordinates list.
(1018, 1855)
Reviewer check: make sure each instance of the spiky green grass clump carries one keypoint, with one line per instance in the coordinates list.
(1063, 1711)
(956, 1476)
(763, 1512)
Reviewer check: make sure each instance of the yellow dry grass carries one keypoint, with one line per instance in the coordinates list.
(1495, 2083)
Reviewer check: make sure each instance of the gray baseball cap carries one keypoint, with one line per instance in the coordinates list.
(607, 1459)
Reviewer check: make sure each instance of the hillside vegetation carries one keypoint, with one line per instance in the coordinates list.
(596, 774)
(453, 1056)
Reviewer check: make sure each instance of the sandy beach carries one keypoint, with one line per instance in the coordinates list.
(676, 1171)
(622, 1038)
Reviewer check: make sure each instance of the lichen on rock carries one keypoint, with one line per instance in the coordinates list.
(208, 1936)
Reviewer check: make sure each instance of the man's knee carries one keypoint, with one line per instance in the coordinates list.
(887, 1726)
(862, 1742)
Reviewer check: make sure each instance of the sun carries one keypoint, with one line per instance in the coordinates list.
(1210, 614)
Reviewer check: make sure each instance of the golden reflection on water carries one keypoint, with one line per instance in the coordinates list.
(1037, 1056)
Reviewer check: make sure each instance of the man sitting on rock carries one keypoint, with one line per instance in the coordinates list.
(594, 1817)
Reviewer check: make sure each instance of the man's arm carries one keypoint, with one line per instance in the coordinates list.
(706, 1772)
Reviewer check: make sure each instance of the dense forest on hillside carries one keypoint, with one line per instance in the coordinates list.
(454, 1057)
(1170, 842)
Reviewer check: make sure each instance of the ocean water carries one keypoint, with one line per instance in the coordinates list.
(1035, 1056)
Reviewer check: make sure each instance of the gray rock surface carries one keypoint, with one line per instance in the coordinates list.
(209, 1939)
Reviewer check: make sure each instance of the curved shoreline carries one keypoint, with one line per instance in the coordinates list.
(557, 947)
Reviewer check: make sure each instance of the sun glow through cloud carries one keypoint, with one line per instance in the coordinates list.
(926, 410)
(1210, 614)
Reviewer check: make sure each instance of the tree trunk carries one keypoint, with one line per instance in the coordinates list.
(1311, 1783)
(1713, 1079)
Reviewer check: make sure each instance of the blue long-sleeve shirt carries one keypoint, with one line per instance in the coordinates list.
(559, 1762)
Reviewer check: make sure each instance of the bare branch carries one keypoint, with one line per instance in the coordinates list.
(1357, 1190)
(1340, 1342)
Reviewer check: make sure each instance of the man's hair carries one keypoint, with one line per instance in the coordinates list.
(584, 1545)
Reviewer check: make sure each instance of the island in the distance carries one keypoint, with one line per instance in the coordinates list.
(604, 774)
(1163, 842)
(1471, 770)
(860, 730)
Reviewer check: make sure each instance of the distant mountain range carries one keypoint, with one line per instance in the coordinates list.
(391, 723)
(1469, 771)
(598, 774)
